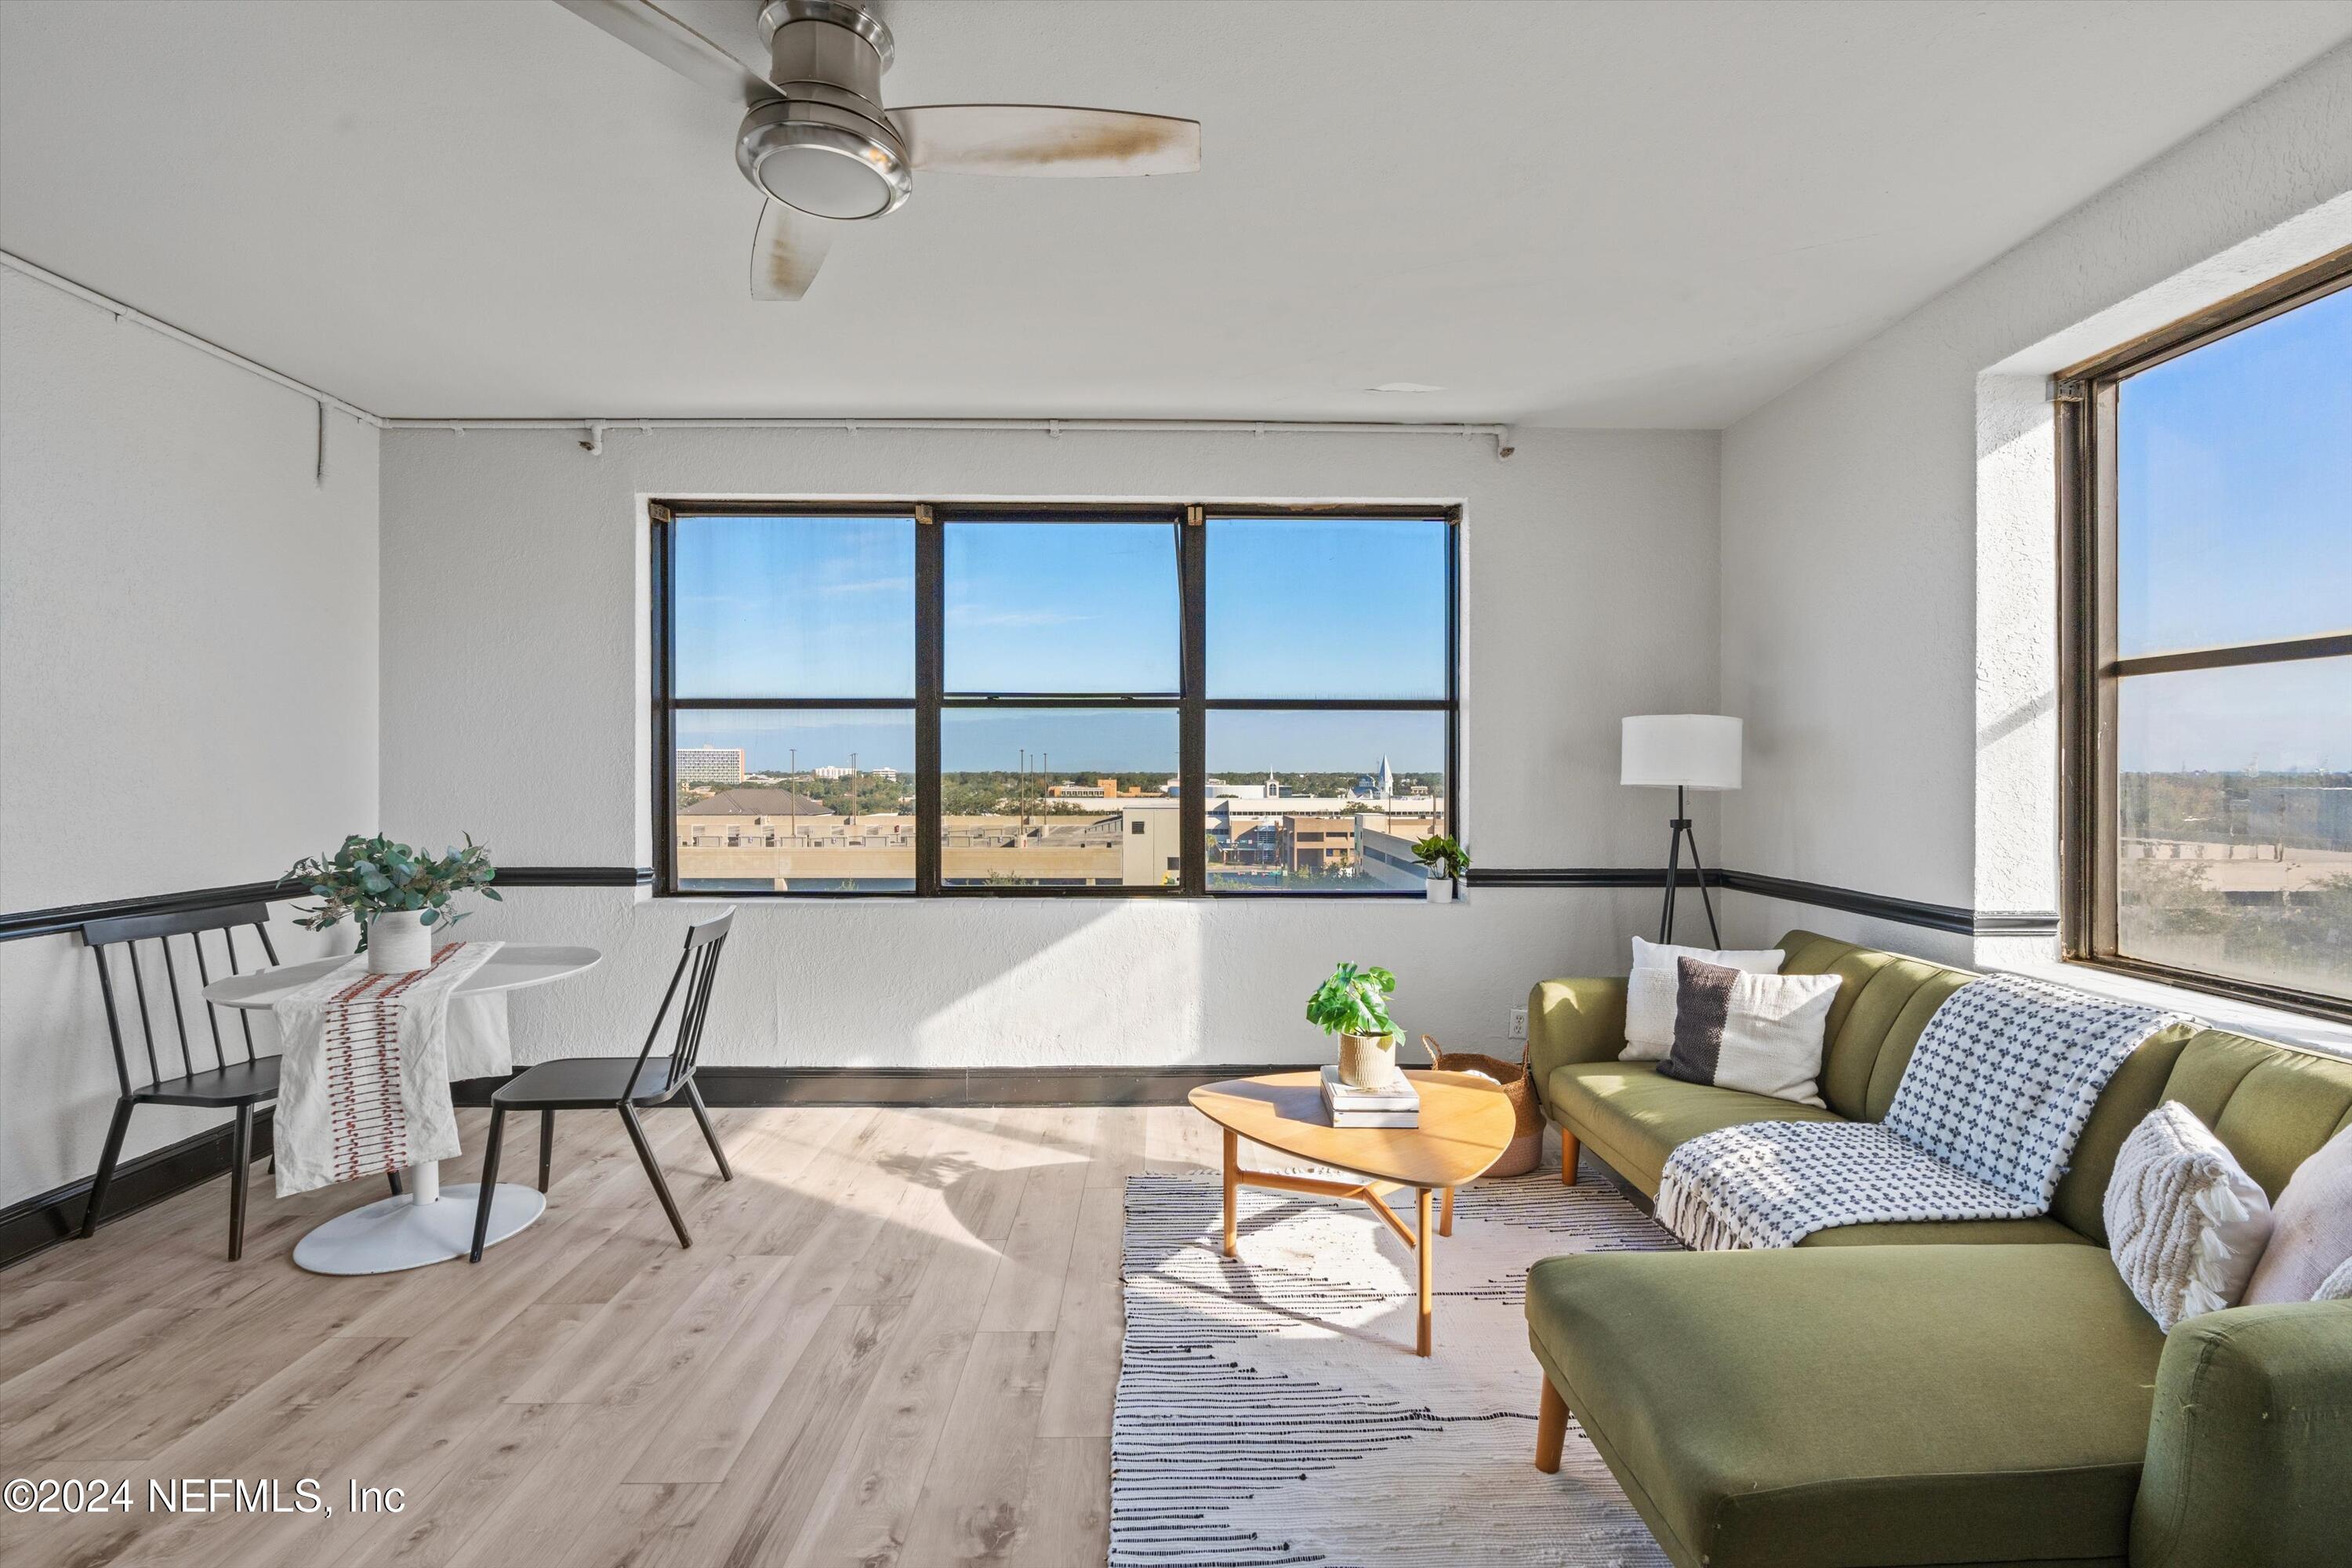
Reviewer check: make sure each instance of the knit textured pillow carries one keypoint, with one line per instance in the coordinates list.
(2337, 1286)
(2311, 1227)
(1649, 991)
(1761, 1033)
(2185, 1223)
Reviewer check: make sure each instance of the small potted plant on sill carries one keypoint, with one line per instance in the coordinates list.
(1447, 863)
(1353, 1004)
(397, 895)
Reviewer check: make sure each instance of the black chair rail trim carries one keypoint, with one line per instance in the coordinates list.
(1878, 906)
(67, 917)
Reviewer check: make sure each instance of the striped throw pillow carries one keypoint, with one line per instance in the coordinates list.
(1761, 1033)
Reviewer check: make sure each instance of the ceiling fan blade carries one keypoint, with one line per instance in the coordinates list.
(658, 32)
(1047, 139)
(786, 252)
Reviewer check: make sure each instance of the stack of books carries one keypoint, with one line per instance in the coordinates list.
(1396, 1104)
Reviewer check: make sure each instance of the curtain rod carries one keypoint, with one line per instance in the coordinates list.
(594, 428)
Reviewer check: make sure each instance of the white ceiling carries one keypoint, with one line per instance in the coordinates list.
(1564, 214)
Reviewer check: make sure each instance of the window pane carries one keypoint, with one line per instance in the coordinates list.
(2235, 831)
(809, 801)
(2233, 485)
(1327, 608)
(1322, 801)
(1064, 797)
(1062, 606)
(795, 607)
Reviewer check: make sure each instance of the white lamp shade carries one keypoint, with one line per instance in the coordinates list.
(1695, 750)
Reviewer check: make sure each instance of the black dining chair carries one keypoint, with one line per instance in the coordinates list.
(625, 1084)
(235, 1081)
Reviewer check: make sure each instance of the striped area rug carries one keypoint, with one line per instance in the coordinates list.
(1271, 1410)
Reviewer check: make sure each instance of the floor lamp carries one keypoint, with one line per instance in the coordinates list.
(1688, 751)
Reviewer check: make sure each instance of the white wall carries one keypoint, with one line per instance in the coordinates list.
(512, 709)
(187, 670)
(1888, 532)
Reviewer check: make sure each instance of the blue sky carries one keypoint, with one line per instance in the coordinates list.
(2234, 494)
(825, 607)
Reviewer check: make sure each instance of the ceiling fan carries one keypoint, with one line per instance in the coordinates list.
(820, 146)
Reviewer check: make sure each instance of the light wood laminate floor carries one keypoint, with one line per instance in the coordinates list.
(895, 1341)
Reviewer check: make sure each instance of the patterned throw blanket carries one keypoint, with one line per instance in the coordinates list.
(2004, 1077)
(364, 1087)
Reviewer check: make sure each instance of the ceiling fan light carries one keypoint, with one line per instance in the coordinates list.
(823, 162)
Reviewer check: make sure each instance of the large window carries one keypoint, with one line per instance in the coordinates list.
(933, 699)
(2210, 641)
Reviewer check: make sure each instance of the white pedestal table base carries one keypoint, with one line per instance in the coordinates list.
(409, 1232)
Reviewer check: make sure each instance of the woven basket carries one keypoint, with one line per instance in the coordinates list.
(1526, 1150)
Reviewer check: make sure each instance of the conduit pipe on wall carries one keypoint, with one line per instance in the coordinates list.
(593, 430)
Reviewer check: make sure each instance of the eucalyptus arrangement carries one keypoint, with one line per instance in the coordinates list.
(396, 894)
(1354, 1005)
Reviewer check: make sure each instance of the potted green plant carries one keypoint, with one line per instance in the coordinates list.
(398, 895)
(1445, 860)
(1353, 1004)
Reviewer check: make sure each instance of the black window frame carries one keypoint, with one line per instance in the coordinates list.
(2086, 397)
(1192, 702)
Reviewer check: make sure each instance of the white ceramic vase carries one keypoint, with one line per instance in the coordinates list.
(1441, 889)
(398, 942)
(1367, 1061)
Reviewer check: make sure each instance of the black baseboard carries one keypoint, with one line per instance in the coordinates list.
(747, 1086)
(38, 1222)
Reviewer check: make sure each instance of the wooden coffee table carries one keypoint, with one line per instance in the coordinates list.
(1465, 1125)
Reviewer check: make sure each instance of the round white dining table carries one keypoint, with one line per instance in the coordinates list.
(428, 1223)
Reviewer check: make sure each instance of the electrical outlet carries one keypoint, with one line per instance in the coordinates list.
(1518, 1023)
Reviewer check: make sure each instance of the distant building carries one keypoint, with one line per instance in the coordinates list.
(2301, 817)
(710, 764)
(1315, 843)
(1385, 860)
(755, 804)
(830, 773)
(1381, 785)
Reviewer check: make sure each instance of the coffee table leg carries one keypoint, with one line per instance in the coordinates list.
(1427, 1249)
(1232, 1184)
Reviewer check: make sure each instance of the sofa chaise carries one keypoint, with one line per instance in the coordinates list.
(1976, 1392)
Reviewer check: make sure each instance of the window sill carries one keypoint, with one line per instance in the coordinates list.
(2222, 1011)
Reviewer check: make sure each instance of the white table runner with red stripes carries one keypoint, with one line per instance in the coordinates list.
(364, 1084)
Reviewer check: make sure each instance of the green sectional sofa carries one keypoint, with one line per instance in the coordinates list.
(1979, 1392)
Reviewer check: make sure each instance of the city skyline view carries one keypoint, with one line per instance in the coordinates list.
(816, 607)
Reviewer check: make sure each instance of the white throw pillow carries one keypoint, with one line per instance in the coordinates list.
(1761, 1033)
(2185, 1223)
(2337, 1286)
(1650, 992)
(2311, 1227)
